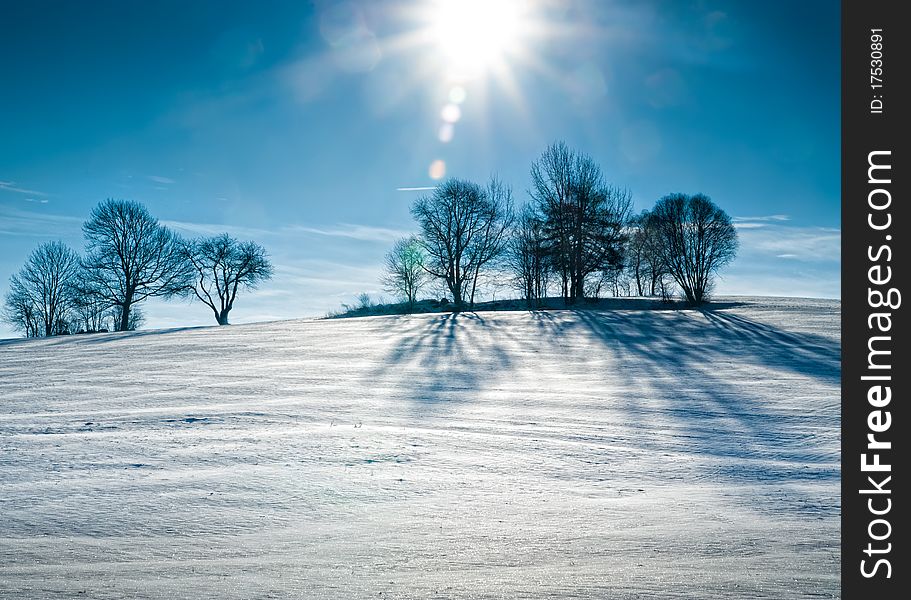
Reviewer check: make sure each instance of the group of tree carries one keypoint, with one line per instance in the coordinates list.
(130, 257)
(576, 235)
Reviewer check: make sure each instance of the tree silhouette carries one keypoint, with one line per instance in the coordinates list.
(41, 294)
(584, 218)
(405, 274)
(463, 229)
(221, 267)
(644, 258)
(527, 258)
(131, 256)
(694, 238)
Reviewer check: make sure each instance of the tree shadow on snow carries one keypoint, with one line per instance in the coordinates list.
(706, 382)
(690, 373)
(442, 359)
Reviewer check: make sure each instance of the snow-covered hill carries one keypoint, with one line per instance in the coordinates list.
(622, 454)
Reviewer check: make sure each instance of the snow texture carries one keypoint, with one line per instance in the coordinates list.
(559, 454)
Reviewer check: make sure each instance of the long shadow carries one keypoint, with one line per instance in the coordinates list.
(688, 369)
(443, 359)
(675, 361)
(804, 353)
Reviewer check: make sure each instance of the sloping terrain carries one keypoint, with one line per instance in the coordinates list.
(559, 454)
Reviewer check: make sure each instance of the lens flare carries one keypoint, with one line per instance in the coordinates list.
(446, 133)
(457, 95)
(437, 169)
(451, 113)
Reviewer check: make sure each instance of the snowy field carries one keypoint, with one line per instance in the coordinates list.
(562, 454)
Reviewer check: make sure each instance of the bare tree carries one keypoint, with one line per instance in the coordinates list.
(463, 229)
(42, 292)
(527, 257)
(131, 256)
(222, 266)
(644, 259)
(405, 274)
(637, 250)
(497, 217)
(90, 309)
(694, 238)
(115, 315)
(584, 218)
(20, 310)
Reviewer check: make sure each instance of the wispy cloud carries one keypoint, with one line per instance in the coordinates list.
(18, 222)
(764, 218)
(364, 233)
(760, 221)
(160, 179)
(216, 229)
(809, 244)
(10, 186)
(416, 189)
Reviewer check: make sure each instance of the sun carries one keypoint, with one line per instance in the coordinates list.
(475, 35)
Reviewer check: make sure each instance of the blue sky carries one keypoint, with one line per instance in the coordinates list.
(299, 124)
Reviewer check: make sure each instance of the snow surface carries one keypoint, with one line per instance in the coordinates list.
(562, 454)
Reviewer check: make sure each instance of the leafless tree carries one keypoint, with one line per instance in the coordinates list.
(644, 259)
(405, 275)
(497, 218)
(131, 256)
(222, 266)
(637, 250)
(364, 301)
(527, 258)
(584, 218)
(20, 310)
(463, 229)
(114, 314)
(41, 294)
(90, 309)
(694, 238)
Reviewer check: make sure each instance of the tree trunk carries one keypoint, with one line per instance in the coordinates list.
(474, 286)
(223, 316)
(638, 279)
(689, 295)
(457, 297)
(125, 313)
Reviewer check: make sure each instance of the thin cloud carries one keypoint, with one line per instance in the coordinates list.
(416, 189)
(807, 244)
(37, 224)
(217, 229)
(160, 179)
(764, 218)
(10, 186)
(363, 233)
